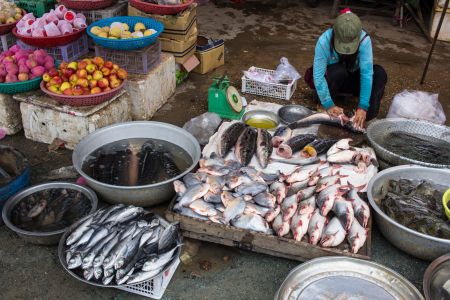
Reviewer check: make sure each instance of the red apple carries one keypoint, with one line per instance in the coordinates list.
(68, 92)
(105, 71)
(83, 82)
(98, 61)
(103, 83)
(77, 90)
(97, 75)
(122, 74)
(82, 73)
(93, 83)
(53, 72)
(96, 90)
(82, 65)
(108, 64)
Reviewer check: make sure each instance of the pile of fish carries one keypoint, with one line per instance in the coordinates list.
(417, 205)
(50, 210)
(311, 201)
(342, 121)
(121, 243)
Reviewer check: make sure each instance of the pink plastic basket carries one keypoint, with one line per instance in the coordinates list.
(53, 41)
(151, 8)
(87, 4)
(83, 100)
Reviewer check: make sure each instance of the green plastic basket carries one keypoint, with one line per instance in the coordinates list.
(20, 86)
(37, 7)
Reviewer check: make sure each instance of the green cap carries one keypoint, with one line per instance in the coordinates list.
(347, 30)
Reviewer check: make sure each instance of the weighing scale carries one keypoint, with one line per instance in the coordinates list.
(224, 99)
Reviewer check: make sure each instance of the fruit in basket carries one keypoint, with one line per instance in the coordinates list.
(149, 32)
(64, 86)
(139, 26)
(96, 90)
(103, 83)
(9, 12)
(118, 30)
(56, 22)
(91, 68)
(97, 75)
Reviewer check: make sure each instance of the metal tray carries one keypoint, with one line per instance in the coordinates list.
(436, 276)
(292, 113)
(334, 277)
(62, 259)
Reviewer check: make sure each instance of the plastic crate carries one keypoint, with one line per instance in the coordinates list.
(37, 7)
(69, 52)
(117, 10)
(274, 90)
(140, 61)
(156, 287)
(8, 40)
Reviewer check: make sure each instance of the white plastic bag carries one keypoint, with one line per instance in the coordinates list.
(203, 127)
(417, 105)
(253, 74)
(285, 71)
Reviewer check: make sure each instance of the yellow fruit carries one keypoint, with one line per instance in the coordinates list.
(115, 31)
(105, 28)
(10, 20)
(137, 34)
(125, 34)
(125, 27)
(102, 34)
(18, 17)
(149, 32)
(96, 30)
(18, 10)
(139, 26)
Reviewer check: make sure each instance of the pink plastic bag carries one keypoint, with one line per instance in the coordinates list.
(51, 17)
(79, 23)
(60, 10)
(25, 31)
(81, 16)
(28, 16)
(65, 27)
(52, 30)
(38, 32)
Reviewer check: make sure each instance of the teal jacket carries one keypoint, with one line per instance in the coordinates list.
(324, 56)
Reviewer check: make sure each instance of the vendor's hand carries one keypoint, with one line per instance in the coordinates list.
(360, 118)
(335, 111)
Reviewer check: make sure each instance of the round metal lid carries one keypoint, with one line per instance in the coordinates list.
(234, 99)
(436, 281)
(339, 277)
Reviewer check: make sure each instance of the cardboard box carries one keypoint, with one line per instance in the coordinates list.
(180, 35)
(182, 58)
(179, 46)
(210, 59)
(179, 22)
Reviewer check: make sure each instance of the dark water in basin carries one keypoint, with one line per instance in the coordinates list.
(418, 147)
(132, 162)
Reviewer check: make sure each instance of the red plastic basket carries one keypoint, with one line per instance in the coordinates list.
(53, 41)
(151, 8)
(7, 28)
(83, 100)
(87, 4)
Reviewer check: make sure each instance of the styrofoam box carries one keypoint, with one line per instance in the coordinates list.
(44, 119)
(149, 92)
(10, 117)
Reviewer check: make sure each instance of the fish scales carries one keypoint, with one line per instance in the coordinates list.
(246, 146)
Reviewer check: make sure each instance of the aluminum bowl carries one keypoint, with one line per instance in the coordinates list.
(141, 195)
(261, 114)
(292, 113)
(43, 238)
(378, 130)
(415, 243)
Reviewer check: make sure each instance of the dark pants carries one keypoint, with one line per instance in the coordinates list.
(342, 81)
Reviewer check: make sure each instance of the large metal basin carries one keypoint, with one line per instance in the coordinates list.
(415, 243)
(143, 195)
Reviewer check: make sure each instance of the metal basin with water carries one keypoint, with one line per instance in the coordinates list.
(142, 195)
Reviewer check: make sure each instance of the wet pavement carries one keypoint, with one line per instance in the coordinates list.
(257, 33)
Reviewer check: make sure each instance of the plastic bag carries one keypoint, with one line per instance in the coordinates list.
(417, 105)
(285, 71)
(253, 74)
(203, 127)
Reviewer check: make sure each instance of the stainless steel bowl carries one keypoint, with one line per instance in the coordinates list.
(43, 238)
(261, 114)
(378, 130)
(410, 241)
(292, 113)
(142, 195)
(436, 277)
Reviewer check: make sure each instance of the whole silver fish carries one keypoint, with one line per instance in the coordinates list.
(230, 137)
(356, 237)
(265, 199)
(245, 146)
(250, 189)
(116, 251)
(306, 193)
(299, 225)
(212, 198)
(88, 260)
(75, 261)
(88, 273)
(323, 118)
(302, 173)
(180, 187)
(360, 207)
(264, 147)
(316, 226)
(123, 278)
(340, 145)
(282, 134)
(273, 213)
(334, 234)
(142, 276)
(280, 191)
(251, 222)
(203, 208)
(131, 250)
(234, 208)
(296, 187)
(325, 199)
(79, 231)
(325, 182)
(193, 193)
(159, 261)
(280, 226)
(343, 210)
(344, 157)
(190, 179)
(188, 212)
(126, 214)
(168, 237)
(289, 207)
(307, 206)
(216, 183)
(251, 208)
(104, 252)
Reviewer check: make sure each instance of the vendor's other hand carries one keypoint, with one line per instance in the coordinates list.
(335, 111)
(360, 118)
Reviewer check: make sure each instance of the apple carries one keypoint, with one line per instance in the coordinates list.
(89, 77)
(63, 65)
(106, 89)
(103, 83)
(116, 67)
(105, 71)
(122, 74)
(53, 72)
(73, 65)
(114, 83)
(82, 65)
(73, 78)
(68, 92)
(90, 68)
(96, 90)
(46, 77)
(86, 91)
(108, 64)
(53, 88)
(98, 61)
(93, 83)
(68, 72)
(56, 81)
(22, 76)
(8, 58)
(97, 75)
(77, 90)
(64, 86)
(82, 73)
(83, 82)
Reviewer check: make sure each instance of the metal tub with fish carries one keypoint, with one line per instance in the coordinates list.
(136, 162)
(418, 244)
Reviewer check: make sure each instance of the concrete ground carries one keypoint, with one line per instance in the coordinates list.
(257, 33)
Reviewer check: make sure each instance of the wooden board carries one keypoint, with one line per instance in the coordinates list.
(260, 242)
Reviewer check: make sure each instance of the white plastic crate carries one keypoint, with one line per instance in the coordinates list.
(274, 90)
(116, 10)
(69, 52)
(156, 287)
(8, 40)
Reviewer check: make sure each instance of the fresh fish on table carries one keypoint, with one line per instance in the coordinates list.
(104, 252)
(251, 222)
(193, 193)
(325, 182)
(325, 199)
(234, 208)
(142, 276)
(306, 193)
(251, 208)
(340, 145)
(245, 146)
(180, 187)
(289, 207)
(159, 261)
(77, 233)
(294, 144)
(302, 173)
(237, 180)
(343, 210)
(230, 137)
(264, 147)
(282, 134)
(296, 161)
(214, 170)
(265, 199)
(190, 179)
(316, 148)
(280, 191)
(296, 187)
(273, 213)
(360, 207)
(212, 198)
(299, 225)
(334, 234)
(356, 236)
(323, 118)
(250, 189)
(220, 207)
(213, 160)
(322, 173)
(188, 212)
(216, 183)
(280, 226)
(307, 206)
(168, 237)
(226, 197)
(316, 226)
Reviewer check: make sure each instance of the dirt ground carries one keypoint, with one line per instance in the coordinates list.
(257, 33)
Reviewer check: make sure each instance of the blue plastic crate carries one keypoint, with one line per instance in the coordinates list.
(19, 183)
(127, 44)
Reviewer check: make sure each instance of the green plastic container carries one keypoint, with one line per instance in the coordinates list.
(20, 86)
(217, 100)
(37, 7)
